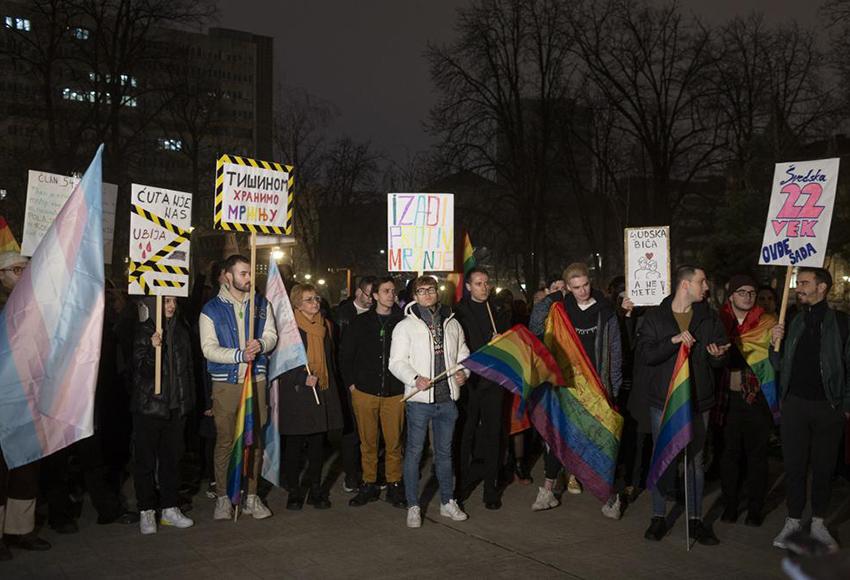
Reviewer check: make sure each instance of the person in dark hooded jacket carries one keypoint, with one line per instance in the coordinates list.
(159, 418)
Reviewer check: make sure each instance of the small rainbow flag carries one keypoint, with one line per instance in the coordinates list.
(468, 264)
(243, 440)
(8, 243)
(754, 344)
(579, 423)
(676, 422)
(517, 360)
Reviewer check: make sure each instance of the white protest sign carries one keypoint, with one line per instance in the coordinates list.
(800, 213)
(253, 196)
(46, 194)
(420, 232)
(647, 264)
(160, 232)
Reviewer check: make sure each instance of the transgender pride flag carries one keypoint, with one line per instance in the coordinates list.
(288, 354)
(50, 332)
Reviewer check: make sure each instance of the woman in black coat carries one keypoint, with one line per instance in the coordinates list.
(158, 419)
(309, 401)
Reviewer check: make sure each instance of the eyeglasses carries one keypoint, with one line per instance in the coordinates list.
(311, 299)
(746, 293)
(425, 291)
(16, 270)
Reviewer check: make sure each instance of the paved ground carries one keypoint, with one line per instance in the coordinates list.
(571, 541)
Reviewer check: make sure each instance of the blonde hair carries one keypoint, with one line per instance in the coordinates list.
(576, 270)
(295, 295)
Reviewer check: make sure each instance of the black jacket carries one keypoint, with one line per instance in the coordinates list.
(475, 338)
(655, 357)
(177, 376)
(343, 317)
(364, 355)
(299, 413)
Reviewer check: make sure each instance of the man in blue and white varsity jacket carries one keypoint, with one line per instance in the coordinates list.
(228, 350)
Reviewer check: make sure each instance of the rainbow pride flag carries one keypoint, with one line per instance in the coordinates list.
(51, 330)
(8, 243)
(676, 422)
(243, 441)
(468, 264)
(754, 344)
(579, 423)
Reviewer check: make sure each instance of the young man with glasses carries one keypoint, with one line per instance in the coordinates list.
(428, 344)
(746, 417)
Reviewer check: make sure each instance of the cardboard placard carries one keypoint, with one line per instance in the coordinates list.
(801, 202)
(420, 232)
(253, 196)
(46, 194)
(160, 235)
(647, 264)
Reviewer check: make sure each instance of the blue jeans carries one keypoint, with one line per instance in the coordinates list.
(696, 472)
(442, 417)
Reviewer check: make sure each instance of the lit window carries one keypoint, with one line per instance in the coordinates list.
(80, 33)
(128, 101)
(171, 144)
(17, 23)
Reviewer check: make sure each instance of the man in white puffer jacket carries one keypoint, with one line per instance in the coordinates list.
(428, 343)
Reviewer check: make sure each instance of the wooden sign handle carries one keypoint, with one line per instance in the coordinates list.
(784, 308)
(157, 385)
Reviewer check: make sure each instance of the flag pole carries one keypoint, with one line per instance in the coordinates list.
(157, 385)
(492, 322)
(315, 394)
(253, 285)
(784, 308)
(687, 513)
(434, 380)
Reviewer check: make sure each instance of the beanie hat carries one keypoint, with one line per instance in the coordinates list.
(738, 280)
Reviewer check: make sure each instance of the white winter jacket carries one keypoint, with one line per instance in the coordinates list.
(412, 353)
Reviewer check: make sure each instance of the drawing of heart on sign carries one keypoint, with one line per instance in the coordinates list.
(649, 255)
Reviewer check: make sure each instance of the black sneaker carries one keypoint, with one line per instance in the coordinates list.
(350, 485)
(395, 495)
(318, 499)
(656, 530)
(295, 501)
(369, 492)
(702, 533)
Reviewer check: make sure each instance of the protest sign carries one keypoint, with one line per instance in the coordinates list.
(46, 194)
(647, 264)
(800, 213)
(420, 232)
(253, 196)
(160, 231)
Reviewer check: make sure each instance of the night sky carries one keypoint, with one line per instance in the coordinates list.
(365, 56)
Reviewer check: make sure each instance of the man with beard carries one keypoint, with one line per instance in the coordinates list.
(224, 325)
(815, 399)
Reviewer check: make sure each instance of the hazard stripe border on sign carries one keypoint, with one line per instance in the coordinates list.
(219, 223)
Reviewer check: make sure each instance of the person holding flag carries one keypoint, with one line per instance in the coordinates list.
(682, 318)
(748, 388)
(224, 325)
(159, 419)
(310, 403)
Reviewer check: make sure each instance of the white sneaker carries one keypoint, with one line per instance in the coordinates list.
(612, 509)
(821, 534)
(792, 526)
(254, 507)
(223, 508)
(453, 511)
(545, 500)
(573, 486)
(414, 517)
(174, 517)
(147, 522)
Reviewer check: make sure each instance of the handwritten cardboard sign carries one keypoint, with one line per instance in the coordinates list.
(420, 232)
(253, 196)
(160, 232)
(46, 194)
(800, 213)
(647, 264)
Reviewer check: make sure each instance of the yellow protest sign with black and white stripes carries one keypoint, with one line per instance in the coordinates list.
(160, 236)
(253, 196)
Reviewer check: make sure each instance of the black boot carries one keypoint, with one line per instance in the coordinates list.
(702, 533)
(395, 495)
(369, 492)
(656, 530)
(318, 499)
(295, 501)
